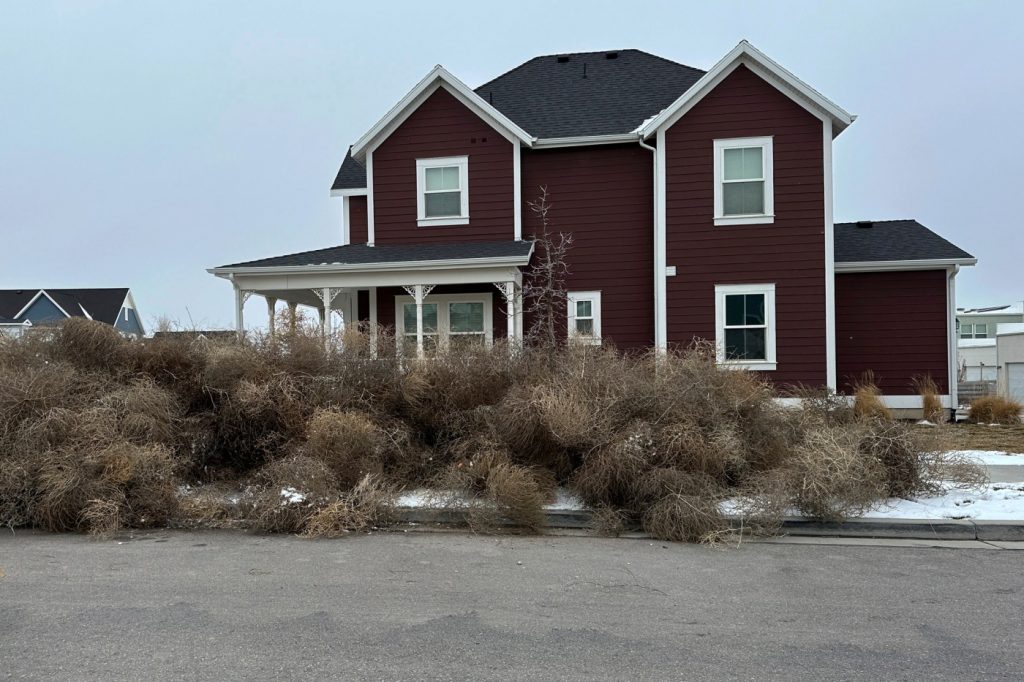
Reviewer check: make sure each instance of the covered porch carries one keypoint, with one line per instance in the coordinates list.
(431, 295)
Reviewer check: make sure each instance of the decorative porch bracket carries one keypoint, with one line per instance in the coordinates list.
(419, 292)
(327, 296)
(241, 296)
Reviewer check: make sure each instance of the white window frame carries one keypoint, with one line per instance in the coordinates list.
(768, 290)
(443, 325)
(768, 165)
(595, 308)
(462, 163)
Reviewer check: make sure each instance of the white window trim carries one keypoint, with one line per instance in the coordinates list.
(442, 301)
(595, 300)
(462, 162)
(723, 290)
(768, 162)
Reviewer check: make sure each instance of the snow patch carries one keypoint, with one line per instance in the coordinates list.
(291, 496)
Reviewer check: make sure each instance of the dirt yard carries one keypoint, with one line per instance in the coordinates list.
(966, 436)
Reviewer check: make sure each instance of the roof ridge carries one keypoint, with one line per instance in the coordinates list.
(576, 54)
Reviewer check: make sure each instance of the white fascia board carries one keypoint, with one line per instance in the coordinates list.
(41, 292)
(894, 265)
(355, 192)
(439, 76)
(748, 55)
(584, 140)
(396, 266)
(278, 281)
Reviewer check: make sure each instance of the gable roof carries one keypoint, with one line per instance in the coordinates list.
(439, 77)
(893, 240)
(97, 304)
(588, 93)
(746, 54)
(362, 254)
(351, 175)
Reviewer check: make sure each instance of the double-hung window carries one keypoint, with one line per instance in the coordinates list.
(744, 184)
(745, 325)
(450, 321)
(442, 191)
(974, 331)
(584, 308)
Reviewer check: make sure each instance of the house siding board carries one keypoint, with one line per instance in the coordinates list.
(443, 126)
(42, 311)
(603, 197)
(892, 324)
(357, 229)
(789, 252)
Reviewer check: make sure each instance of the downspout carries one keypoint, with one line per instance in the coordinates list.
(954, 397)
(660, 335)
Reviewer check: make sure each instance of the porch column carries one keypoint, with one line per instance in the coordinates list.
(373, 322)
(292, 316)
(240, 298)
(271, 315)
(519, 315)
(328, 321)
(418, 293)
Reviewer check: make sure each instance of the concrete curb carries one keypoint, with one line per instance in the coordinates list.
(907, 529)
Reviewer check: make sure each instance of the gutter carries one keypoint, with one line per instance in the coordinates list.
(885, 265)
(447, 264)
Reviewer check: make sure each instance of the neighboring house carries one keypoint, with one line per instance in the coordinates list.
(700, 205)
(42, 307)
(976, 339)
(1010, 360)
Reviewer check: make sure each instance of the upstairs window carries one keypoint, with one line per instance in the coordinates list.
(745, 330)
(442, 191)
(974, 331)
(744, 188)
(585, 316)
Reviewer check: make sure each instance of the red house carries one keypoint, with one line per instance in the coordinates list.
(700, 205)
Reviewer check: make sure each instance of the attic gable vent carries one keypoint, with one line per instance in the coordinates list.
(562, 59)
(865, 224)
(611, 55)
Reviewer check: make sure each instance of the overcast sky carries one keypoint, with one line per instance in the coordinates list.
(142, 142)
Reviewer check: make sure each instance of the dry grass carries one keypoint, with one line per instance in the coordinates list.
(867, 401)
(930, 400)
(994, 409)
(1004, 438)
(350, 444)
(369, 504)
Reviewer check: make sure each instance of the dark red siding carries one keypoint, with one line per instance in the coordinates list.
(357, 220)
(893, 324)
(443, 126)
(603, 197)
(790, 252)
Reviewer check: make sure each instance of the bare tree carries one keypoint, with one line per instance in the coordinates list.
(544, 292)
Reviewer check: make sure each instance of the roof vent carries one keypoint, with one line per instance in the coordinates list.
(611, 55)
(562, 59)
(865, 223)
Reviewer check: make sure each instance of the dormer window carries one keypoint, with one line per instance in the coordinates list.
(744, 188)
(442, 191)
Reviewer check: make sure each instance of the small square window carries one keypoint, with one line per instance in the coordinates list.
(585, 316)
(746, 325)
(442, 189)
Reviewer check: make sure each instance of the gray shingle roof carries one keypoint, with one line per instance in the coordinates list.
(102, 304)
(891, 240)
(359, 254)
(351, 175)
(588, 93)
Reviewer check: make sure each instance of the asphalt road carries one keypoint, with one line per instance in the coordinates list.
(231, 606)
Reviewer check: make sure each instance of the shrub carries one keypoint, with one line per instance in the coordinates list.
(517, 494)
(932, 409)
(994, 409)
(831, 479)
(369, 504)
(348, 443)
(684, 518)
(91, 345)
(867, 402)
